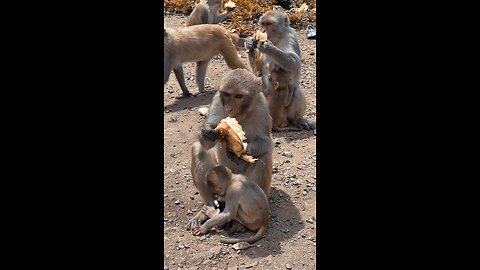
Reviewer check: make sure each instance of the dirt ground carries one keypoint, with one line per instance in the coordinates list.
(290, 241)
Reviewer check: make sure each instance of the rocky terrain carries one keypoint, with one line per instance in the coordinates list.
(290, 241)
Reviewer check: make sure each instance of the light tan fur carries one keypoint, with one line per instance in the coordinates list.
(198, 43)
(245, 202)
(239, 97)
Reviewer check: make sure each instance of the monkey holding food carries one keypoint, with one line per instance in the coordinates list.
(206, 12)
(240, 97)
(280, 50)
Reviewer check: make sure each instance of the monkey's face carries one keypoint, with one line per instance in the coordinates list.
(272, 23)
(234, 102)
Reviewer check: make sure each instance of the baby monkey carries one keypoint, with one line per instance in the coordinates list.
(244, 200)
(278, 98)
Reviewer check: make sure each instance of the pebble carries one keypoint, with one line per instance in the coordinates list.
(288, 266)
(241, 245)
(177, 202)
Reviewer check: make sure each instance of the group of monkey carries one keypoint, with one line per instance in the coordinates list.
(264, 96)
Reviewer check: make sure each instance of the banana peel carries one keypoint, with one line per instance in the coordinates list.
(258, 37)
(231, 131)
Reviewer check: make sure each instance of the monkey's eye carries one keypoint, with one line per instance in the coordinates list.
(238, 96)
(266, 23)
(226, 94)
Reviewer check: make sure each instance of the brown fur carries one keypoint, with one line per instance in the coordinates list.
(277, 100)
(245, 202)
(198, 43)
(282, 50)
(247, 104)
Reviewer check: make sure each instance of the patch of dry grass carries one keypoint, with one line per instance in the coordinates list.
(244, 19)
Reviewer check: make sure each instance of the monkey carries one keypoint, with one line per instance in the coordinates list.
(245, 202)
(206, 12)
(278, 99)
(239, 96)
(281, 50)
(198, 43)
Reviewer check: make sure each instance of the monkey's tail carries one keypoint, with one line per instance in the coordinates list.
(260, 233)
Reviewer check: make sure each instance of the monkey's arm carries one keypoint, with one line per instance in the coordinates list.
(288, 60)
(259, 146)
(229, 213)
(219, 17)
(207, 136)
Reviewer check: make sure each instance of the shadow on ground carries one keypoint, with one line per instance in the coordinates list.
(203, 99)
(293, 135)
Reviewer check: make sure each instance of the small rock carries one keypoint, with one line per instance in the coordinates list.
(203, 111)
(277, 141)
(241, 246)
(255, 263)
(177, 202)
(288, 266)
(309, 221)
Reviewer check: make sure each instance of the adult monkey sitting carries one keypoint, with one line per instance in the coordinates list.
(239, 96)
(281, 50)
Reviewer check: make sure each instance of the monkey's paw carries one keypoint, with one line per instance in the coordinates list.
(196, 221)
(185, 96)
(249, 43)
(308, 124)
(199, 230)
(210, 211)
(265, 46)
(208, 131)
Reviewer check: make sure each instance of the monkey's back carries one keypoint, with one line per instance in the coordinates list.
(253, 208)
(198, 42)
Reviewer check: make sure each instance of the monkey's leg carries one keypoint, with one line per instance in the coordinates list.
(201, 72)
(166, 74)
(260, 172)
(202, 162)
(237, 227)
(181, 81)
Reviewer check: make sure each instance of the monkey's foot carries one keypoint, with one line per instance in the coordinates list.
(198, 231)
(185, 95)
(308, 124)
(197, 220)
(199, 92)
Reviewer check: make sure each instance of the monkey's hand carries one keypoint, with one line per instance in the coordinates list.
(250, 44)
(196, 220)
(210, 211)
(208, 132)
(266, 46)
(234, 158)
(257, 147)
(199, 230)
